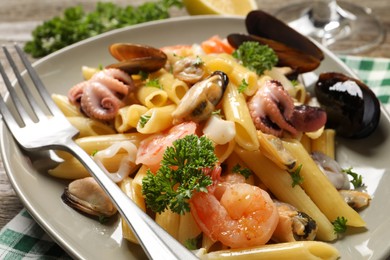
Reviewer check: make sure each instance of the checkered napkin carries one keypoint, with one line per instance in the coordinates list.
(22, 238)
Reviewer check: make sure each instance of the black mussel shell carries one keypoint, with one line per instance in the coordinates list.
(297, 60)
(352, 108)
(262, 24)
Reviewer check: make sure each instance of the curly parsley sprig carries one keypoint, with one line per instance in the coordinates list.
(340, 225)
(182, 173)
(255, 56)
(357, 180)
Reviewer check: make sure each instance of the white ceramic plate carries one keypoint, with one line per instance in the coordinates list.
(85, 238)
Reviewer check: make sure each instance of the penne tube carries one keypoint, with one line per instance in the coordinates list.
(236, 110)
(91, 144)
(325, 143)
(90, 127)
(73, 169)
(279, 182)
(65, 106)
(157, 119)
(169, 221)
(223, 151)
(175, 88)
(128, 117)
(188, 229)
(306, 143)
(152, 96)
(221, 62)
(241, 74)
(320, 189)
(308, 250)
(127, 187)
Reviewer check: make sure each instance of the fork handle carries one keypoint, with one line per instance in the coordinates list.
(156, 242)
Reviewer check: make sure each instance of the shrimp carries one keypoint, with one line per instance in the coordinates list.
(151, 149)
(245, 216)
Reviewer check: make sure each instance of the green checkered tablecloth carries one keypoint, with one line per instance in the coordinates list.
(22, 238)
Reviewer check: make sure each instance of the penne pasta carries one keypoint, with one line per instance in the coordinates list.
(128, 117)
(174, 87)
(308, 250)
(65, 106)
(152, 96)
(235, 109)
(156, 119)
(279, 182)
(325, 143)
(320, 189)
(90, 127)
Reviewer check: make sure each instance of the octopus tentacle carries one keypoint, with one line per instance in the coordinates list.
(99, 102)
(271, 108)
(101, 96)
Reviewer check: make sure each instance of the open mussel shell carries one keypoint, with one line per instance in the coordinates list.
(298, 60)
(262, 24)
(134, 58)
(352, 108)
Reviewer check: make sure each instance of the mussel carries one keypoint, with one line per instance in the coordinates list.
(352, 108)
(292, 48)
(134, 58)
(87, 196)
(200, 101)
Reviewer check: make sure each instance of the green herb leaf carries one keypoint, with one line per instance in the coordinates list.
(243, 86)
(182, 173)
(193, 243)
(143, 120)
(241, 170)
(75, 24)
(153, 83)
(340, 225)
(256, 57)
(357, 180)
(297, 179)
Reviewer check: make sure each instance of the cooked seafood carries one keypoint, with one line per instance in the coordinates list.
(200, 101)
(356, 199)
(332, 170)
(189, 70)
(134, 58)
(101, 96)
(244, 216)
(87, 196)
(273, 112)
(353, 109)
(293, 225)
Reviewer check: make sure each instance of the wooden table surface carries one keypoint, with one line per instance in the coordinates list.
(19, 17)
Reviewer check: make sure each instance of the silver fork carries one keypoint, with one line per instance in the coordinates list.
(42, 132)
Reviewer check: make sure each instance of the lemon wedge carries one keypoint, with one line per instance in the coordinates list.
(222, 7)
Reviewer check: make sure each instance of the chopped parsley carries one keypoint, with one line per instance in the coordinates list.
(193, 243)
(340, 225)
(182, 173)
(357, 180)
(155, 83)
(143, 120)
(243, 86)
(241, 170)
(297, 179)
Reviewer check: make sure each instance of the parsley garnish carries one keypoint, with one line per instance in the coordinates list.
(255, 56)
(94, 152)
(243, 86)
(243, 171)
(75, 24)
(297, 179)
(294, 82)
(198, 62)
(143, 120)
(193, 243)
(182, 173)
(340, 225)
(357, 180)
(155, 83)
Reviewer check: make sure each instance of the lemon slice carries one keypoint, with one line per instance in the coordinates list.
(223, 7)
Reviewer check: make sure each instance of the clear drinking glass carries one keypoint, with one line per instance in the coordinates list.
(344, 28)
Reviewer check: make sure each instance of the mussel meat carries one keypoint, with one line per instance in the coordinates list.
(201, 99)
(352, 108)
(134, 58)
(88, 197)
